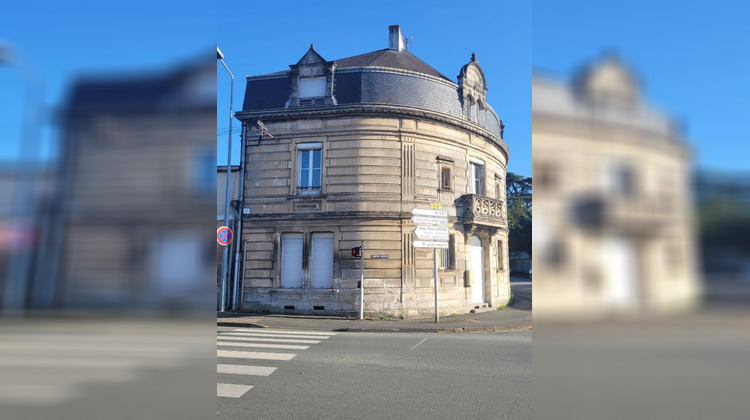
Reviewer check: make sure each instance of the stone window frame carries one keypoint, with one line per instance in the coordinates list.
(482, 181)
(449, 254)
(307, 191)
(445, 164)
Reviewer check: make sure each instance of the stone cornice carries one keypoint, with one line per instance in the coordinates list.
(330, 111)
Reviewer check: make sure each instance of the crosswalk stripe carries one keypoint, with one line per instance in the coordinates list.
(246, 334)
(263, 330)
(254, 355)
(265, 340)
(262, 345)
(245, 370)
(232, 390)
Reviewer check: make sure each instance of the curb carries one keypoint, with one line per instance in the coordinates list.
(516, 328)
(240, 325)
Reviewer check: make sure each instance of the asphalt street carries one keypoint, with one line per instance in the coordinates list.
(373, 375)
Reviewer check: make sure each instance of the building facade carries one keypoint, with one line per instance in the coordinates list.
(612, 206)
(357, 144)
(133, 190)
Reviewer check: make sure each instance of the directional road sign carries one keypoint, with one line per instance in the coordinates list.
(430, 244)
(427, 220)
(429, 212)
(224, 236)
(432, 233)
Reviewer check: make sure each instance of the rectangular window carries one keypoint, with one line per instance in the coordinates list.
(476, 175)
(500, 256)
(446, 255)
(291, 260)
(322, 260)
(310, 162)
(312, 87)
(445, 179)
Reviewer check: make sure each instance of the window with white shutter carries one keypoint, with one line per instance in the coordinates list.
(322, 260)
(291, 260)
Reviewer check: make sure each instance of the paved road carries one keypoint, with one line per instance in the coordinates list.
(521, 288)
(373, 375)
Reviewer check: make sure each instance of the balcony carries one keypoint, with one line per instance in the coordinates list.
(638, 214)
(474, 210)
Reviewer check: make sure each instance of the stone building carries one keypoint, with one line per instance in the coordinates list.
(612, 205)
(133, 190)
(358, 143)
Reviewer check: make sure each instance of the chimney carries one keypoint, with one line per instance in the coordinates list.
(395, 40)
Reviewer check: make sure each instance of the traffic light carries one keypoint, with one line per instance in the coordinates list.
(357, 252)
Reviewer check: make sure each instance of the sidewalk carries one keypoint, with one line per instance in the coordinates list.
(516, 317)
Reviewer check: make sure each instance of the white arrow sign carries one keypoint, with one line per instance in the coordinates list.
(430, 244)
(434, 233)
(426, 220)
(430, 212)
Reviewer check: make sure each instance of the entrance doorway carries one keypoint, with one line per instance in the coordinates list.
(477, 270)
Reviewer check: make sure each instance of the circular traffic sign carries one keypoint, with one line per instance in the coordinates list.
(224, 236)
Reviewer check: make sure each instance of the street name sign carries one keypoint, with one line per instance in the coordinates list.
(427, 220)
(431, 244)
(432, 233)
(379, 256)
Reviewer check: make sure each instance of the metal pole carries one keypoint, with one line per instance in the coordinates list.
(435, 268)
(362, 281)
(237, 299)
(224, 250)
(25, 204)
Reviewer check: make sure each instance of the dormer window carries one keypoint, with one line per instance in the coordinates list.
(312, 81)
(312, 90)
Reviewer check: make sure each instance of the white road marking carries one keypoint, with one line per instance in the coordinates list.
(245, 370)
(231, 390)
(261, 345)
(415, 346)
(263, 330)
(252, 334)
(267, 340)
(254, 355)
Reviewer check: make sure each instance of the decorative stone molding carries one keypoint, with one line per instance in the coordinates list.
(473, 209)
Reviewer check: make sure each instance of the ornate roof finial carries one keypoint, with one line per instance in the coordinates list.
(473, 57)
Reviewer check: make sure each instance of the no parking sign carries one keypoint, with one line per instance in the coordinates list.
(224, 236)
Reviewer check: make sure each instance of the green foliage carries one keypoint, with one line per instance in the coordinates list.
(518, 190)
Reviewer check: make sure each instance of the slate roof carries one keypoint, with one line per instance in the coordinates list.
(145, 91)
(402, 60)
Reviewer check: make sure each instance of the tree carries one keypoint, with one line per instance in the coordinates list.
(518, 191)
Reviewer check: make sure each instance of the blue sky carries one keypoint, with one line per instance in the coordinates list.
(691, 56)
(263, 37)
(66, 39)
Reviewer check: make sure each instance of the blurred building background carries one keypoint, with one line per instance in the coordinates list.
(613, 217)
(136, 179)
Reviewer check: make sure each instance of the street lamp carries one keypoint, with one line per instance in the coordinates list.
(224, 250)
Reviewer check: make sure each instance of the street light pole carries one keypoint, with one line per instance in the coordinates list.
(224, 250)
(25, 215)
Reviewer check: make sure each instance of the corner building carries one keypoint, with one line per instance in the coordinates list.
(357, 144)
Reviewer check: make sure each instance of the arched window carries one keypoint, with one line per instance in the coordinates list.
(470, 109)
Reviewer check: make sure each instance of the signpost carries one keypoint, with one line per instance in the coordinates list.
(224, 236)
(432, 232)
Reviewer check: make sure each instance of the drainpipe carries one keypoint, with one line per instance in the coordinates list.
(236, 296)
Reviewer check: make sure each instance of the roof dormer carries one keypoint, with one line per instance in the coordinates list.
(311, 80)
